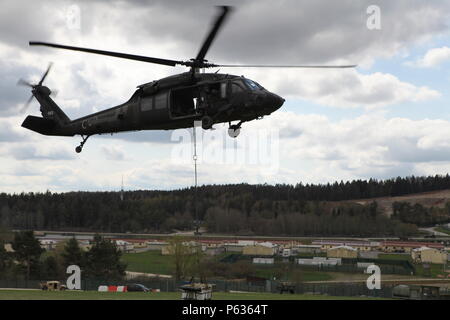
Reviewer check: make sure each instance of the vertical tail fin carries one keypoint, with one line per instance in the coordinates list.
(49, 108)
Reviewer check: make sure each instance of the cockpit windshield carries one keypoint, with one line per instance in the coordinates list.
(252, 84)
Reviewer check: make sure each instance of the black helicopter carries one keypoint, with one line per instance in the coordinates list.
(169, 103)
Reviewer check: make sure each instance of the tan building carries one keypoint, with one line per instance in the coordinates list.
(428, 255)
(342, 252)
(170, 250)
(407, 246)
(156, 245)
(138, 243)
(358, 245)
(260, 249)
(85, 245)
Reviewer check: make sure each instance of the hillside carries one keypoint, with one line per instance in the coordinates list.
(430, 199)
(393, 207)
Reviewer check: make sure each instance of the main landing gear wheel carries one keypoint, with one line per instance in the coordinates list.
(233, 131)
(207, 122)
(80, 147)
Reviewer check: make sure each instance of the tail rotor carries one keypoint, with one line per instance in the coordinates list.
(34, 87)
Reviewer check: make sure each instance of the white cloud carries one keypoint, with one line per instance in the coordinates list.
(313, 148)
(343, 88)
(365, 145)
(114, 152)
(433, 58)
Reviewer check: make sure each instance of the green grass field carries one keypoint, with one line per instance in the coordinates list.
(154, 262)
(93, 295)
(149, 262)
(433, 272)
(305, 275)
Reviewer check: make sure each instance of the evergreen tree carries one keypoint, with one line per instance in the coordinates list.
(50, 269)
(27, 251)
(103, 260)
(73, 254)
(5, 259)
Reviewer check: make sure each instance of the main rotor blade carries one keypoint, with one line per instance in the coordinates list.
(212, 34)
(166, 62)
(280, 66)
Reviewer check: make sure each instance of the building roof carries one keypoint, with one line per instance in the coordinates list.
(157, 242)
(344, 247)
(345, 243)
(412, 244)
(122, 243)
(267, 244)
(314, 246)
(47, 241)
(423, 249)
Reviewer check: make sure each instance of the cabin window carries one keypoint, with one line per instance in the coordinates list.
(161, 101)
(147, 103)
(223, 90)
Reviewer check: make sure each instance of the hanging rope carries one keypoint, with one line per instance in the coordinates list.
(194, 157)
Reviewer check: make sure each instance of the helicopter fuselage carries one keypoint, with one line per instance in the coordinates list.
(176, 102)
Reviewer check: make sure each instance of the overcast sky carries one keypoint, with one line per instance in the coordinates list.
(388, 117)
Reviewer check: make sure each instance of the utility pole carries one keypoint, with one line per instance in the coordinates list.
(121, 191)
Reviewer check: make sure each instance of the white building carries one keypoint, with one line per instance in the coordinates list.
(264, 260)
(319, 261)
(48, 244)
(124, 245)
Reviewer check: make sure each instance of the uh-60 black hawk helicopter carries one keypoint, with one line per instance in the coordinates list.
(169, 103)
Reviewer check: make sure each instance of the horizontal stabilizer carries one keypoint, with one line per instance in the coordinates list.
(40, 125)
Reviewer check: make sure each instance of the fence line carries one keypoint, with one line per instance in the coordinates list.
(272, 286)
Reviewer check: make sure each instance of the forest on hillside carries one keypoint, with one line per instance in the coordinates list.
(296, 210)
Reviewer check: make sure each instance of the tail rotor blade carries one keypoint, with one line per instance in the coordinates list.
(25, 107)
(22, 82)
(45, 74)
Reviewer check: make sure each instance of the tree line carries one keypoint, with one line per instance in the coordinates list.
(239, 208)
(419, 215)
(28, 260)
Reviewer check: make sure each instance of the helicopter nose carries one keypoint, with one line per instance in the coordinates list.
(279, 102)
(274, 102)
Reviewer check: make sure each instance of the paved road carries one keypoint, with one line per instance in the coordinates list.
(434, 232)
(131, 274)
(445, 282)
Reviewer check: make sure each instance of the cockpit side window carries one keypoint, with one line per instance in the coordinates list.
(252, 84)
